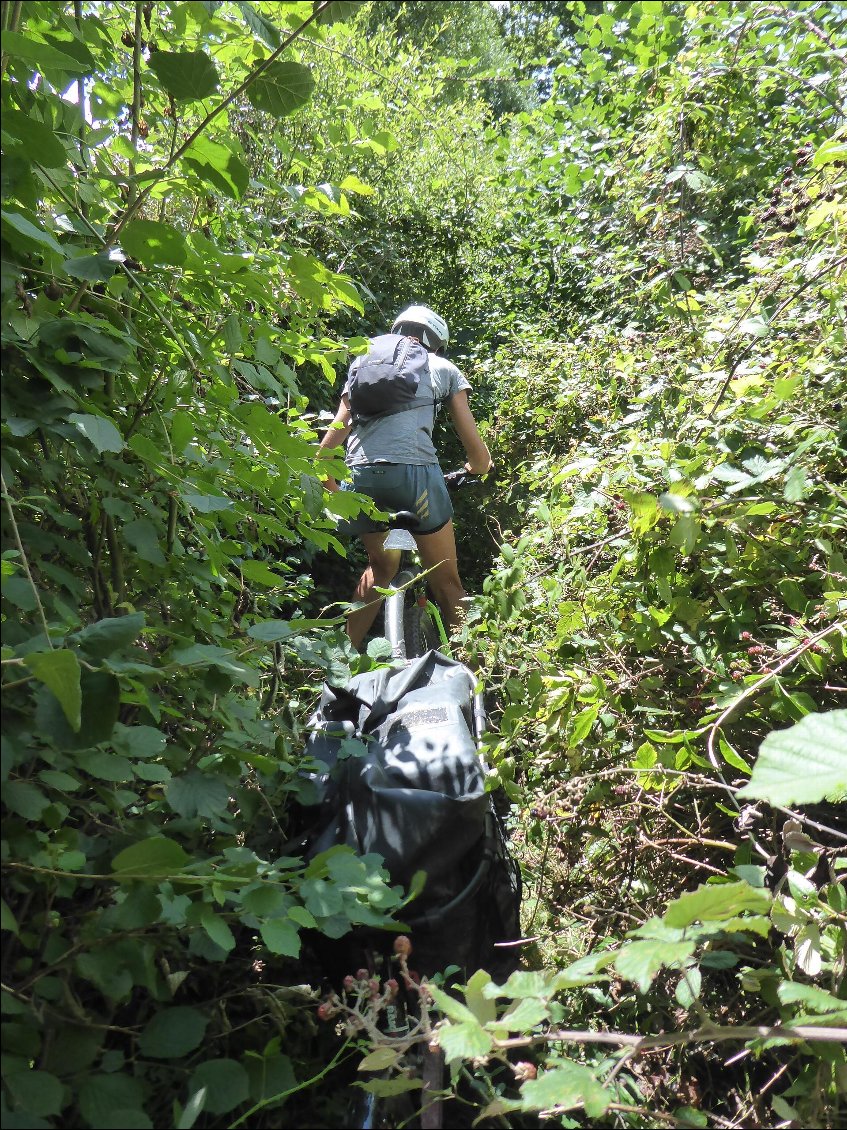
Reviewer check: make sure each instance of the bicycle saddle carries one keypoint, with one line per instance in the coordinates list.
(404, 520)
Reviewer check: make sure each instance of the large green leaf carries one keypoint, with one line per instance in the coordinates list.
(99, 430)
(14, 222)
(41, 56)
(803, 764)
(60, 671)
(102, 1095)
(152, 242)
(197, 794)
(156, 856)
(100, 702)
(187, 75)
(282, 88)
(566, 1085)
(111, 634)
(227, 1084)
(716, 902)
(219, 166)
(173, 1032)
(281, 937)
(36, 1092)
(465, 1040)
(641, 961)
(42, 144)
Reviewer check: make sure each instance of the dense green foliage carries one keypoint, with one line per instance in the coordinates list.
(633, 215)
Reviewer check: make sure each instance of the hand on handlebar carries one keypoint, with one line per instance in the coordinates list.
(465, 477)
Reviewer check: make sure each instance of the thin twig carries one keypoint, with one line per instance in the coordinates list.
(24, 561)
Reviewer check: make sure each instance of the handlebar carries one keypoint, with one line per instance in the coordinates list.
(455, 480)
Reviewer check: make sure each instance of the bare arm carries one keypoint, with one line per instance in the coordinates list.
(336, 437)
(479, 457)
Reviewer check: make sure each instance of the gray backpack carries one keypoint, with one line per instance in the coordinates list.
(386, 379)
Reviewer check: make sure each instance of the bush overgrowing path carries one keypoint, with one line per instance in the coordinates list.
(632, 215)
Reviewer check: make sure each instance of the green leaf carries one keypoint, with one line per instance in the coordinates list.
(92, 268)
(219, 166)
(41, 143)
(524, 1015)
(582, 724)
(338, 10)
(154, 243)
(60, 671)
(567, 1085)
(144, 539)
(101, 693)
(207, 503)
(101, 1096)
(833, 149)
(25, 799)
(7, 918)
(41, 56)
(218, 930)
(139, 742)
(208, 655)
(815, 999)
(804, 764)
(99, 430)
(187, 75)
(31, 234)
(716, 902)
(227, 1084)
(796, 485)
(282, 88)
(196, 793)
(192, 1110)
(641, 961)
(150, 858)
(380, 1059)
(111, 634)
(173, 1032)
(258, 24)
(281, 936)
(36, 1092)
(261, 574)
(464, 1041)
(386, 1088)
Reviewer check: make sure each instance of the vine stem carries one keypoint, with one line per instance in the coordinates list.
(7, 499)
(707, 1034)
(292, 1090)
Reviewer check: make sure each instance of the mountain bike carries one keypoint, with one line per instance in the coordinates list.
(413, 622)
(413, 626)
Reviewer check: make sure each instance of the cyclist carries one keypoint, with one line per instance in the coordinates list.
(392, 460)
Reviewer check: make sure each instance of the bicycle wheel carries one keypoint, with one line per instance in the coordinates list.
(420, 631)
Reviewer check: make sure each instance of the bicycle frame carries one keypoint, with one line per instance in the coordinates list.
(395, 603)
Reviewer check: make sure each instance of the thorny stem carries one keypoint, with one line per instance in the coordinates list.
(706, 1034)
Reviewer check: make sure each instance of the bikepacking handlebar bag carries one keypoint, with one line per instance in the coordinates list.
(404, 780)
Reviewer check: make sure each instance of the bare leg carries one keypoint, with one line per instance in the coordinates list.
(439, 549)
(382, 568)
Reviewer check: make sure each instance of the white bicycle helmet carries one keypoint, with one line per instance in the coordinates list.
(423, 323)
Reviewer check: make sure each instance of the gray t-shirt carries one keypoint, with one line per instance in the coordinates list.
(405, 437)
